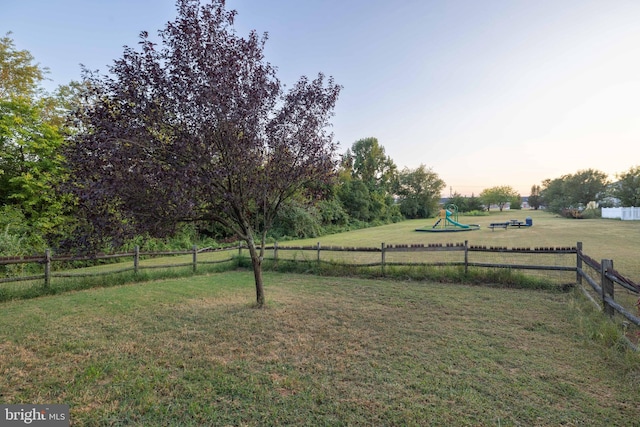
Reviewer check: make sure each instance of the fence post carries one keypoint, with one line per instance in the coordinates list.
(607, 285)
(384, 251)
(240, 249)
(47, 268)
(195, 258)
(579, 263)
(318, 252)
(466, 257)
(275, 253)
(136, 259)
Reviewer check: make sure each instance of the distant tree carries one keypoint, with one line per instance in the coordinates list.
(460, 201)
(554, 196)
(355, 198)
(627, 188)
(366, 162)
(499, 196)
(586, 186)
(474, 203)
(198, 128)
(573, 192)
(535, 200)
(516, 203)
(370, 164)
(419, 192)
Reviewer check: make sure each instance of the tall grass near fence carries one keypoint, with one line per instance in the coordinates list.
(32, 289)
(506, 278)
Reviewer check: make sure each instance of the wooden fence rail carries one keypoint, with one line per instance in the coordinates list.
(460, 247)
(47, 260)
(609, 276)
(603, 285)
(606, 289)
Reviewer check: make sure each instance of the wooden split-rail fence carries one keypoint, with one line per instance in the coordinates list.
(600, 276)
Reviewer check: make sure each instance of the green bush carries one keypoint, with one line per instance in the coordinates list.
(592, 213)
(184, 239)
(297, 221)
(332, 213)
(17, 239)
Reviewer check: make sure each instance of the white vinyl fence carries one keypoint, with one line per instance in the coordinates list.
(625, 214)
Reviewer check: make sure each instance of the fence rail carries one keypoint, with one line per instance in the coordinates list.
(605, 289)
(609, 305)
(47, 260)
(464, 249)
(601, 276)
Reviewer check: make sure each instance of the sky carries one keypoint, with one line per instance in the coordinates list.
(485, 93)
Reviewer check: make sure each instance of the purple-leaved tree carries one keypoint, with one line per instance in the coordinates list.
(197, 127)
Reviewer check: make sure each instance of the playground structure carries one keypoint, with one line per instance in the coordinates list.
(448, 221)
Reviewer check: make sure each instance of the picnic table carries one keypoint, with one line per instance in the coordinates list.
(494, 225)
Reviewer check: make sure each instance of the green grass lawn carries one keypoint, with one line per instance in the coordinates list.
(325, 351)
(601, 238)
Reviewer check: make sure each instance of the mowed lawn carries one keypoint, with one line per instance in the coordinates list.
(601, 238)
(325, 351)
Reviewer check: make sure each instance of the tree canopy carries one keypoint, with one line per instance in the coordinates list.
(419, 192)
(198, 128)
(368, 162)
(627, 188)
(500, 196)
(535, 199)
(20, 76)
(367, 180)
(574, 191)
(30, 141)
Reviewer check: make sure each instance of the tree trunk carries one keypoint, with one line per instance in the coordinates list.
(256, 262)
